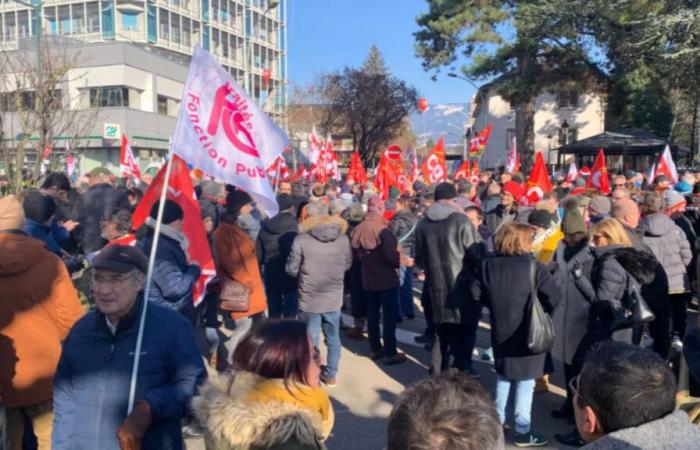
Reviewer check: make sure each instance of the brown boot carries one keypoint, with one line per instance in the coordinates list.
(542, 384)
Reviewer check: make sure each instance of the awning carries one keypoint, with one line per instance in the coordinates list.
(624, 141)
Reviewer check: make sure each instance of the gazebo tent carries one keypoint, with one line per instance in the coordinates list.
(639, 149)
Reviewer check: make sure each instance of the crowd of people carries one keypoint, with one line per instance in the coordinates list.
(243, 367)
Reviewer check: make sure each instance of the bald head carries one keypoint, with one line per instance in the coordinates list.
(626, 212)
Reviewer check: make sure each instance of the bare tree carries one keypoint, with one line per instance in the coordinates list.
(37, 107)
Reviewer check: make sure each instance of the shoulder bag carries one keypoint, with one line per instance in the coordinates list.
(540, 334)
(234, 296)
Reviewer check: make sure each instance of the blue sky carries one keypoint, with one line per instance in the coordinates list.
(327, 35)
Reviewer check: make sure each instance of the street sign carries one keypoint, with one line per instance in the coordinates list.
(393, 152)
(112, 131)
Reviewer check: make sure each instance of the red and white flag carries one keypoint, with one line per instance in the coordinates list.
(223, 132)
(666, 166)
(434, 166)
(180, 191)
(314, 146)
(599, 174)
(463, 173)
(47, 152)
(127, 163)
(278, 171)
(573, 173)
(539, 182)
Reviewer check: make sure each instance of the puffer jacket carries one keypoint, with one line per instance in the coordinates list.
(449, 248)
(241, 412)
(403, 224)
(319, 257)
(91, 389)
(173, 278)
(670, 246)
(573, 274)
(273, 246)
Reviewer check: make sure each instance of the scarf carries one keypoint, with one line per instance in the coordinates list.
(172, 233)
(366, 234)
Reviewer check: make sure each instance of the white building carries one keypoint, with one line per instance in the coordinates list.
(134, 56)
(563, 114)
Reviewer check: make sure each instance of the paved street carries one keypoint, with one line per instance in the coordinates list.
(366, 391)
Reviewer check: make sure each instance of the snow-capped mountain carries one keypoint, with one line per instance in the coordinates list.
(444, 119)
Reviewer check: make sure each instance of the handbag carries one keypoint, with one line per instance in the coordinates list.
(636, 312)
(540, 333)
(234, 296)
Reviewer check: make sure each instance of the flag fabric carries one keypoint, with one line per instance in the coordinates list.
(572, 174)
(70, 164)
(386, 176)
(666, 166)
(463, 172)
(599, 174)
(539, 182)
(477, 146)
(513, 158)
(127, 163)
(314, 146)
(223, 132)
(434, 167)
(412, 156)
(356, 173)
(180, 191)
(47, 152)
(301, 173)
(652, 173)
(278, 171)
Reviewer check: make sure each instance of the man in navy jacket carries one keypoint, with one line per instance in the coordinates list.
(91, 387)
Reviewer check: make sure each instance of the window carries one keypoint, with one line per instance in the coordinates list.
(175, 22)
(162, 104)
(78, 18)
(64, 24)
(163, 25)
(10, 27)
(93, 17)
(130, 21)
(109, 97)
(567, 98)
(23, 23)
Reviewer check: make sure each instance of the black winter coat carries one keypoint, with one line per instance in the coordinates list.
(273, 246)
(504, 288)
(173, 278)
(98, 202)
(450, 250)
(573, 267)
(496, 217)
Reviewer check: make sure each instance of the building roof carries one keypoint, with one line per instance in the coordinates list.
(630, 141)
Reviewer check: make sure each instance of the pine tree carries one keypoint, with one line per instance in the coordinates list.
(374, 64)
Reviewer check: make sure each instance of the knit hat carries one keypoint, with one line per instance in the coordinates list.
(171, 211)
(445, 191)
(514, 189)
(11, 213)
(236, 200)
(356, 213)
(284, 201)
(337, 206)
(600, 205)
(673, 198)
(573, 222)
(683, 187)
(540, 218)
(38, 207)
(317, 208)
(394, 193)
(375, 204)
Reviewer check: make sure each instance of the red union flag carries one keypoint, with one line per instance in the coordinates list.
(599, 174)
(224, 133)
(539, 182)
(463, 173)
(434, 168)
(127, 163)
(666, 166)
(180, 191)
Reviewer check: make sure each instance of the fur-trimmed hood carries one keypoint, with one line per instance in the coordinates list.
(324, 228)
(233, 423)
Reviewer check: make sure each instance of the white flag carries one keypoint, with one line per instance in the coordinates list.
(221, 131)
(573, 173)
(512, 157)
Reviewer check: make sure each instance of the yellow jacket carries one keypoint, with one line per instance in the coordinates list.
(544, 246)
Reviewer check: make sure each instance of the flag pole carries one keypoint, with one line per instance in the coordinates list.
(149, 275)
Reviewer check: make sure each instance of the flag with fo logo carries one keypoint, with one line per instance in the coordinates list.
(221, 131)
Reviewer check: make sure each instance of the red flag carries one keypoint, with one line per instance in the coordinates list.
(666, 166)
(539, 182)
(463, 173)
(356, 172)
(47, 152)
(434, 167)
(477, 146)
(278, 171)
(387, 176)
(180, 191)
(599, 174)
(127, 163)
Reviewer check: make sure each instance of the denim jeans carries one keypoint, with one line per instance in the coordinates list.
(280, 303)
(238, 329)
(406, 293)
(329, 323)
(388, 301)
(524, 390)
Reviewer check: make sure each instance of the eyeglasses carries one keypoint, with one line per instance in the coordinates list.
(109, 281)
(574, 387)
